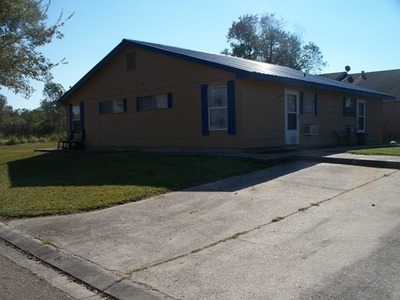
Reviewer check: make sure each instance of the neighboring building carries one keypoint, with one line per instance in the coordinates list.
(386, 82)
(144, 95)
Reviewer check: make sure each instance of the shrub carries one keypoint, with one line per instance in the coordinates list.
(23, 140)
(13, 140)
(57, 136)
(33, 139)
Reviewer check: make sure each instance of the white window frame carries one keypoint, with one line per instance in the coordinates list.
(218, 107)
(76, 117)
(350, 106)
(309, 104)
(112, 107)
(360, 115)
(152, 102)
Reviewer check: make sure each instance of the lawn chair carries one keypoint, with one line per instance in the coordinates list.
(347, 137)
(78, 143)
(66, 144)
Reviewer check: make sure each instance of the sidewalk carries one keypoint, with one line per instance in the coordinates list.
(283, 232)
(332, 155)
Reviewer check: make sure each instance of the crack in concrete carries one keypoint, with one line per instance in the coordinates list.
(239, 234)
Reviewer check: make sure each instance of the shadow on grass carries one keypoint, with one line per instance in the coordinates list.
(167, 171)
(82, 169)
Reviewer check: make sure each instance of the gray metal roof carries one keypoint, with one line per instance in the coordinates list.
(387, 81)
(243, 68)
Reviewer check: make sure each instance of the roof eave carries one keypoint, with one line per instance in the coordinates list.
(307, 84)
(239, 73)
(97, 67)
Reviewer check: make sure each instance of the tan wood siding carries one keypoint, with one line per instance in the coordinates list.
(262, 115)
(154, 74)
(373, 121)
(259, 108)
(330, 119)
(391, 121)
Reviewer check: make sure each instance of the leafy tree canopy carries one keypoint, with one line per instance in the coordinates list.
(52, 91)
(23, 30)
(264, 39)
(46, 121)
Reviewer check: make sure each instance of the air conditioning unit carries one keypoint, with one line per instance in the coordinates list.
(311, 129)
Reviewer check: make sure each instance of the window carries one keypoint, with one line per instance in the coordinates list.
(113, 106)
(218, 108)
(349, 107)
(76, 118)
(162, 101)
(360, 115)
(309, 104)
(291, 110)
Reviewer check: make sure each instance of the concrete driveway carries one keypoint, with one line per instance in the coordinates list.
(301, 230)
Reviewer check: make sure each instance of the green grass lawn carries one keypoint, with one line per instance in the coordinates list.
(395, 150)
(37, 183)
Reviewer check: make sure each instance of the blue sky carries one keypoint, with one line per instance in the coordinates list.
(360, 33)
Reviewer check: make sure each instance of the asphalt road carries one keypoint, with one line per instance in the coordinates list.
(24, 278)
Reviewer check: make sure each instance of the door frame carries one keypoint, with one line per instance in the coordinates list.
(291, 134)
(360, 114)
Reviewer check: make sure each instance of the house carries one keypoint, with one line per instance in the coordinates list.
(145, 95)
(386, 82)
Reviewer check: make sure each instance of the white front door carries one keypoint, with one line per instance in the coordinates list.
(291, 117)
(360, 115)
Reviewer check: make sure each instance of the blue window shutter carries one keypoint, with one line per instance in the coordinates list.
(100, 108)
(169, 100)
(137, 103)
(82, 113)
(204, 109)
(301, 103)
(125, 104)
(231, 107)
(70, 125)
(315, 103)
(354, 107)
